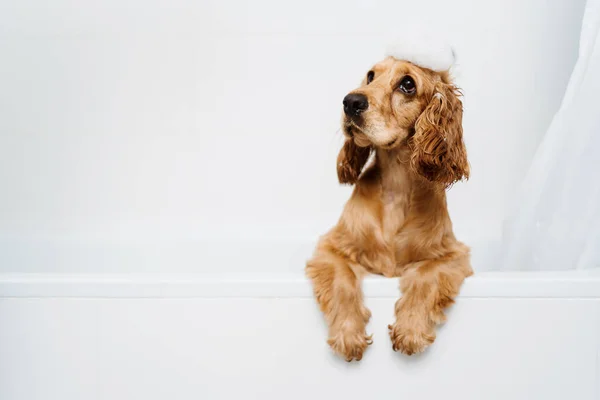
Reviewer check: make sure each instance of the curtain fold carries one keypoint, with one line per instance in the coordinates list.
(555, 221)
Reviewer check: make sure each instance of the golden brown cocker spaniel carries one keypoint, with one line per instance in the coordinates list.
(396, 222)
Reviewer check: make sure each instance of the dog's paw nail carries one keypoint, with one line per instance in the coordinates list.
(409, 341)
(350, 345)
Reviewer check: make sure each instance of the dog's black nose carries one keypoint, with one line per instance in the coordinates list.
(355, 103)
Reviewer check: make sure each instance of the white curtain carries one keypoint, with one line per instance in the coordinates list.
(555, 222)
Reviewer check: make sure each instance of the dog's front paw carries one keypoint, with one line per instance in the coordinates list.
(410, 340)
(349, 344)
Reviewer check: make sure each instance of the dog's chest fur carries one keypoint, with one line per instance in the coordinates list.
(410, 211)
(395, 194)
(394, 209)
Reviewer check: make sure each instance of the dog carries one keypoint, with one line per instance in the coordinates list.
(407, 120)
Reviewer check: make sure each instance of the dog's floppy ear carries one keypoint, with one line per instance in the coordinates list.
(438, 150)
(351, 161)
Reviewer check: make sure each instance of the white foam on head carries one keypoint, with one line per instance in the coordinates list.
(423, 51)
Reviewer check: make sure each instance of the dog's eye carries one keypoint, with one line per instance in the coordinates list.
(370, 76)
(407, 85)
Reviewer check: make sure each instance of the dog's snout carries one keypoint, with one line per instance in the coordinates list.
(355, 103)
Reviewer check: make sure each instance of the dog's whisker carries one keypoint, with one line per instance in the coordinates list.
(360, 129)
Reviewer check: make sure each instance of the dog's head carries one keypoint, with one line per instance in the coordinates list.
(402, 104)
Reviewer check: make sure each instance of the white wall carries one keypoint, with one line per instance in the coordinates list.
(140, 135)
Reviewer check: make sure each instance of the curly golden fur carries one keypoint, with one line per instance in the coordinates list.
(396, 222)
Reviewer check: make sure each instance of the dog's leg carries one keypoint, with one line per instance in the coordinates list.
(428, 287)
(338, 292)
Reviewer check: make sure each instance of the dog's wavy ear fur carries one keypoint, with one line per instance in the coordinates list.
(351, 161)
(438, 150)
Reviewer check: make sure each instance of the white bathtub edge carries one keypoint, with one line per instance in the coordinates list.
(576, 284)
